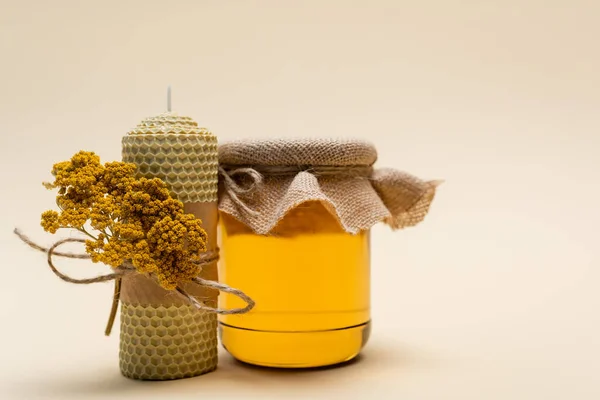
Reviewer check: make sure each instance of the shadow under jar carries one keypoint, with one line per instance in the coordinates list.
(295, 219)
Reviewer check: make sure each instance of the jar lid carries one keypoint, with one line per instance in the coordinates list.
(261, 184)
(299, 151)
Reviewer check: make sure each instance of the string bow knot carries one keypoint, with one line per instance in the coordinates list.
(127, 268)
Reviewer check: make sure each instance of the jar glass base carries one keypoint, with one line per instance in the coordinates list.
(294, 349)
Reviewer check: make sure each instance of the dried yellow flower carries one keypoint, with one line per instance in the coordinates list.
(50, 221)
(132, 220)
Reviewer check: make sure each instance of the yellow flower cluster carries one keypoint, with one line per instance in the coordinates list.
(128, 220)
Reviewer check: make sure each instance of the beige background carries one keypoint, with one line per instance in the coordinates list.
(494, 296)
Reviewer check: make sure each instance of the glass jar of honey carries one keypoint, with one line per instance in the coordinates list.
(295, 219)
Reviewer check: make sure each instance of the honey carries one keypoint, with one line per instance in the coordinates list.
(311, 283)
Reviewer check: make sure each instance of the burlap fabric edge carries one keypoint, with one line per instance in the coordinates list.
(260, 199)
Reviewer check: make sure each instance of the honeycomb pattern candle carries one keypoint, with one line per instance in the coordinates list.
(163, 336)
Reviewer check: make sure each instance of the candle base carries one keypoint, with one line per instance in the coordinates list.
(165, 343)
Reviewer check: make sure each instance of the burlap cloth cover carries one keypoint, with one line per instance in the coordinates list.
(357, 197)
(163, 336)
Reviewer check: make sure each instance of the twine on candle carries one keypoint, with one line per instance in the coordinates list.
(127, 268)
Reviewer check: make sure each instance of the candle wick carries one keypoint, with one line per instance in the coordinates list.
(169, 99)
